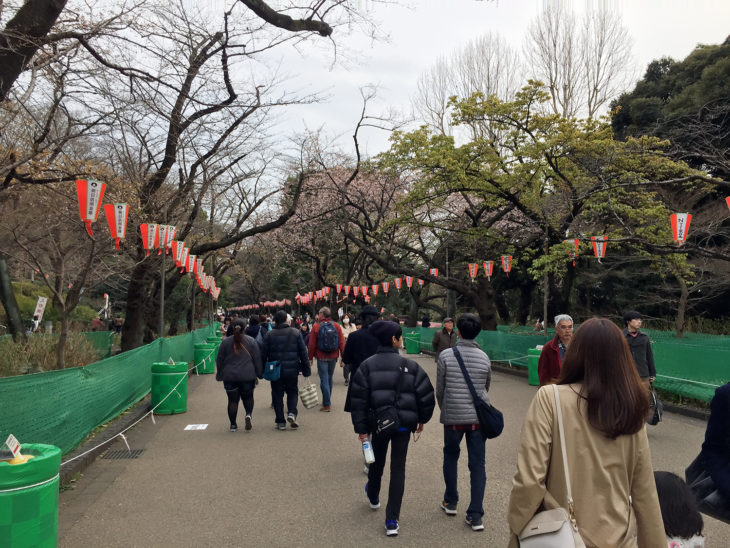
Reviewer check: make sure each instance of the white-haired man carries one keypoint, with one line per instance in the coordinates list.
(551, 357)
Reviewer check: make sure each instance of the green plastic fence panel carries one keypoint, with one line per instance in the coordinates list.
(102, 342)
(62, 407)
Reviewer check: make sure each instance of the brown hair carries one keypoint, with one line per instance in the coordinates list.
(599, 357)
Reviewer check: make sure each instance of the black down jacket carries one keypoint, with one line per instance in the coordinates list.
(285, 345)
(374, 385)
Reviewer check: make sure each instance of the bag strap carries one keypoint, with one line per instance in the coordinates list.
(467, 378)
(401, 367)
(565, 456)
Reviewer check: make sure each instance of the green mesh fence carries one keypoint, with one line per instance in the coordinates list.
(62, 407)
(101, 341)
(690, 367)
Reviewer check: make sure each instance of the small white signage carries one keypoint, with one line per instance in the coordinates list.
(13, 445)
(196, 427)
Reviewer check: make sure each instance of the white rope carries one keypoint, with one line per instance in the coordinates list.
(29, 486)
(688, 380)
(150, 412)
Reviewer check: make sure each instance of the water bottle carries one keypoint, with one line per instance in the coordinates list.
(367, 451)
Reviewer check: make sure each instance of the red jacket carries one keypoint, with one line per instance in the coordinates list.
(548, 366)
(315, 352)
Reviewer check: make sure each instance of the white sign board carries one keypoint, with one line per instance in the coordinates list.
(13, 445)
(40, 307)
(196, 427)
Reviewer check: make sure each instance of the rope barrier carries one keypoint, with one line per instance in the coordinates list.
(150, 412)
(24, 487)
(688, 380)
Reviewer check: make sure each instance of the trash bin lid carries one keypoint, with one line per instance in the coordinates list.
(44, 466)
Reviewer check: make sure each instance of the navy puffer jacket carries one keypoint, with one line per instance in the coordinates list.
(285, 345)
(374, 385)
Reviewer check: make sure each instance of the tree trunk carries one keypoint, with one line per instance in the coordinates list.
(412, 311)
(682, 308)
(484, 303)
(15, 322)
(137, 298)
(525, 303)
(501, 307)
(21, 37)
(62, 338)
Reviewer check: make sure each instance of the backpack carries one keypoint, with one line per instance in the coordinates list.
(259, 338)
(328, 340)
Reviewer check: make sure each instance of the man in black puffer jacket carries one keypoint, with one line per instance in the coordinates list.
(376, 385)
(285, 345)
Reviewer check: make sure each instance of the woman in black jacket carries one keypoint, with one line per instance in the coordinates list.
(238, 365)
(387, 379)
(285, 345)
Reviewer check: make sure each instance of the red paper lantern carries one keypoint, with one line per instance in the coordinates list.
(420, 282)
(364, 290)
(356, 290)
(573, 253)
(680, 226)
(507, 264)
(599, 246)
(434, 272)
(409, 281)
(347, 290)
(339, 288)
(150, 236)
(473, 267)
(116, 217)
(488, 269)
(386, 287)
(375, 289)
(398, 283)
(89, 194)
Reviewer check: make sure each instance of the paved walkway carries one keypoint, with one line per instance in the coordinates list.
(302, 488)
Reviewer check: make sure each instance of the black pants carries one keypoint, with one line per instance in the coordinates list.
(242, 390)
(290, 387)
(398, 453)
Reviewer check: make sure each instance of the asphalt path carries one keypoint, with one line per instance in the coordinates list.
(303, 487)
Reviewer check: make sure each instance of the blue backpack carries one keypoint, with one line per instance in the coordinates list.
(328, 340)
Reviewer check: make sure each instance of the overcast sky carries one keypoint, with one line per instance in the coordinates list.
(433, 28)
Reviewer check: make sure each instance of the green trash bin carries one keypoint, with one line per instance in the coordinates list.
(29, 498)
(413, 343)
(215, 340)
(533, 355)
(165, 379)
(204, 357)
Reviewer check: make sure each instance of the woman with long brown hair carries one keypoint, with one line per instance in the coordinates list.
(603, 406)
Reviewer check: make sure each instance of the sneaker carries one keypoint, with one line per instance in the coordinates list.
(475, 522)
(366, 469)
(249, 424)
(292, 418)
(374, 504)
(346, 383)
(449, 508)
(391, 528)
(325, 408)
(233, 428)
(281, 426)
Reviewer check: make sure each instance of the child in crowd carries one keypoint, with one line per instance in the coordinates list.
(682, 521)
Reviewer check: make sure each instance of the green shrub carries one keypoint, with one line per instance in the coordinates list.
(38, 354)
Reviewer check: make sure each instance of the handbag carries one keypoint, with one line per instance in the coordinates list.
(309, 396)
(657, 408)
(272, 370)
(554, 528)
(490, 418)
(709, 499)
(387, 421)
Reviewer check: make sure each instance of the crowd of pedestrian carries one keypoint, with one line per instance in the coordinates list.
(585, 426)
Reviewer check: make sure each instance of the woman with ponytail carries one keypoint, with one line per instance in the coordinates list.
(239, 366)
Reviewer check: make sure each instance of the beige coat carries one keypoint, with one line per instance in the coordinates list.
(604, 473)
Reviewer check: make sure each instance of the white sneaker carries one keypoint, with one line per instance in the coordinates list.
(292, 419)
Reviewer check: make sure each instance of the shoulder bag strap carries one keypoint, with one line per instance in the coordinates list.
(401, 367)
(562, 447)
(467, 378)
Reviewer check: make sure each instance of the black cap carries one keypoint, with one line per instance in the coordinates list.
(384, 331)
(369, 310)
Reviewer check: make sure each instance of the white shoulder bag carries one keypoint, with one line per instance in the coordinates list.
(555, 528)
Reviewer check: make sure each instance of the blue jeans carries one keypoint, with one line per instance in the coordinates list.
(326, 371)
(475, 446)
